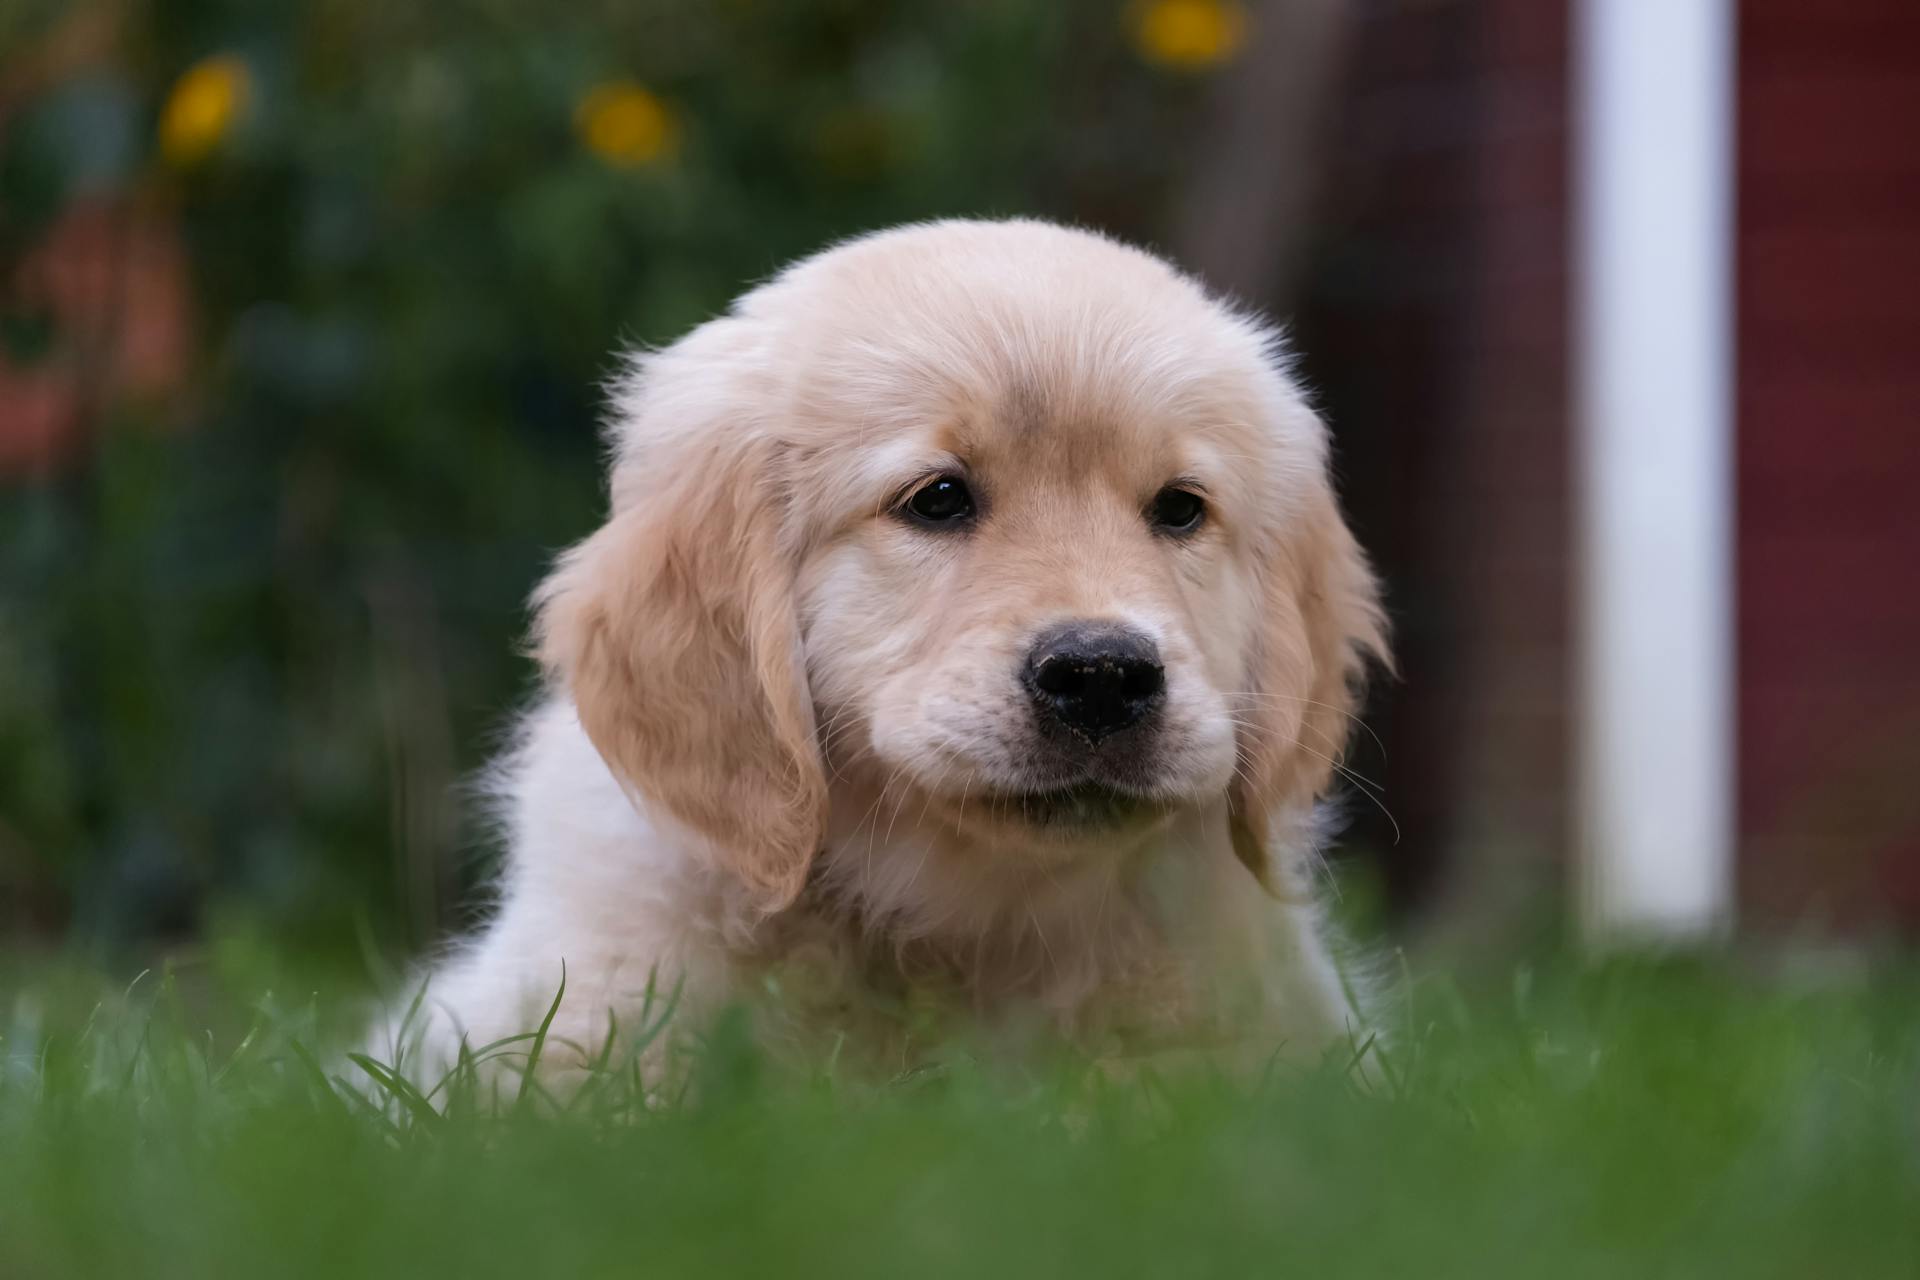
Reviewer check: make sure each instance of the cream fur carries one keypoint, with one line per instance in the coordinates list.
(783, 721)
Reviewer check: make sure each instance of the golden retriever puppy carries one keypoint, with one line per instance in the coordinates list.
(971, 634)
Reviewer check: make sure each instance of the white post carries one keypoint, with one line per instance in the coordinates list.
(1654, 175)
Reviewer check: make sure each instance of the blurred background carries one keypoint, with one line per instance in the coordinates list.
(304, 305)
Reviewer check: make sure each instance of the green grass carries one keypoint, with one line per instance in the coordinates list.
(1630, 1120)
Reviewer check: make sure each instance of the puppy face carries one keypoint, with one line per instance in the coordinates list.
(1040, 613)
(1002, 522)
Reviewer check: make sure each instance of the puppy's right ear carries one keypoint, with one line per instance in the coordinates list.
(673, 629)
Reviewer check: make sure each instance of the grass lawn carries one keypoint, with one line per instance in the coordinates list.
(1630, 1120)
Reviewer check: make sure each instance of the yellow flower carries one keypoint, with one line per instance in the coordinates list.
(624, 124)
(1189, 35)
(202, 108)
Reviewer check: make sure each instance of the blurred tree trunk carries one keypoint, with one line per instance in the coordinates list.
(1244, 223)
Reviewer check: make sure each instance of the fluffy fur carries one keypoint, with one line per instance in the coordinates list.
(785, 741)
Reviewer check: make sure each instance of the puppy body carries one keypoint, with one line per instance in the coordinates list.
(1036, 755)
(1164, 947)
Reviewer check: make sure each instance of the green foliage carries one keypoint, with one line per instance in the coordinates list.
(1667, 1120)
(256, 628)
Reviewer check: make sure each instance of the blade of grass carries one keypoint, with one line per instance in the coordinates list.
(400, 1089)
(540, 1039)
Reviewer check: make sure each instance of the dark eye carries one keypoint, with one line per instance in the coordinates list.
(1177, 510)
(942, 501)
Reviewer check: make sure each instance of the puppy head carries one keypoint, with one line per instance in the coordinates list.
(1001, 521)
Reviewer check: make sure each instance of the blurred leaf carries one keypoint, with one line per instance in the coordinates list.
(89, 128)
(411, 265)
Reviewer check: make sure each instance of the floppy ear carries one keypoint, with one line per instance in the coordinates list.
(1321, 624)
(674, 629)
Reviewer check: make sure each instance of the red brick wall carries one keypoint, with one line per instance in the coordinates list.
(1435, 326)
(1829, 462)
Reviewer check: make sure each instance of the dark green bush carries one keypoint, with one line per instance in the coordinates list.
(256, 624)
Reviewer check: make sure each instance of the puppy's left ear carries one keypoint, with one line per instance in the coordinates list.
(1321, 625)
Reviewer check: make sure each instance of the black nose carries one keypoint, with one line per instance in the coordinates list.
(1095, 678)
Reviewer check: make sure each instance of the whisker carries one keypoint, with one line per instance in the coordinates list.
(1322, 734)
(898, 805)
(1311, 702)
(937, 783)
(871, 814)
(1361, 782)
(1042, 935)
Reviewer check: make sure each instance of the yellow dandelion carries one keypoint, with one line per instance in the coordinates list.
(1189, 35)
(203, 107)
(624, 124)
